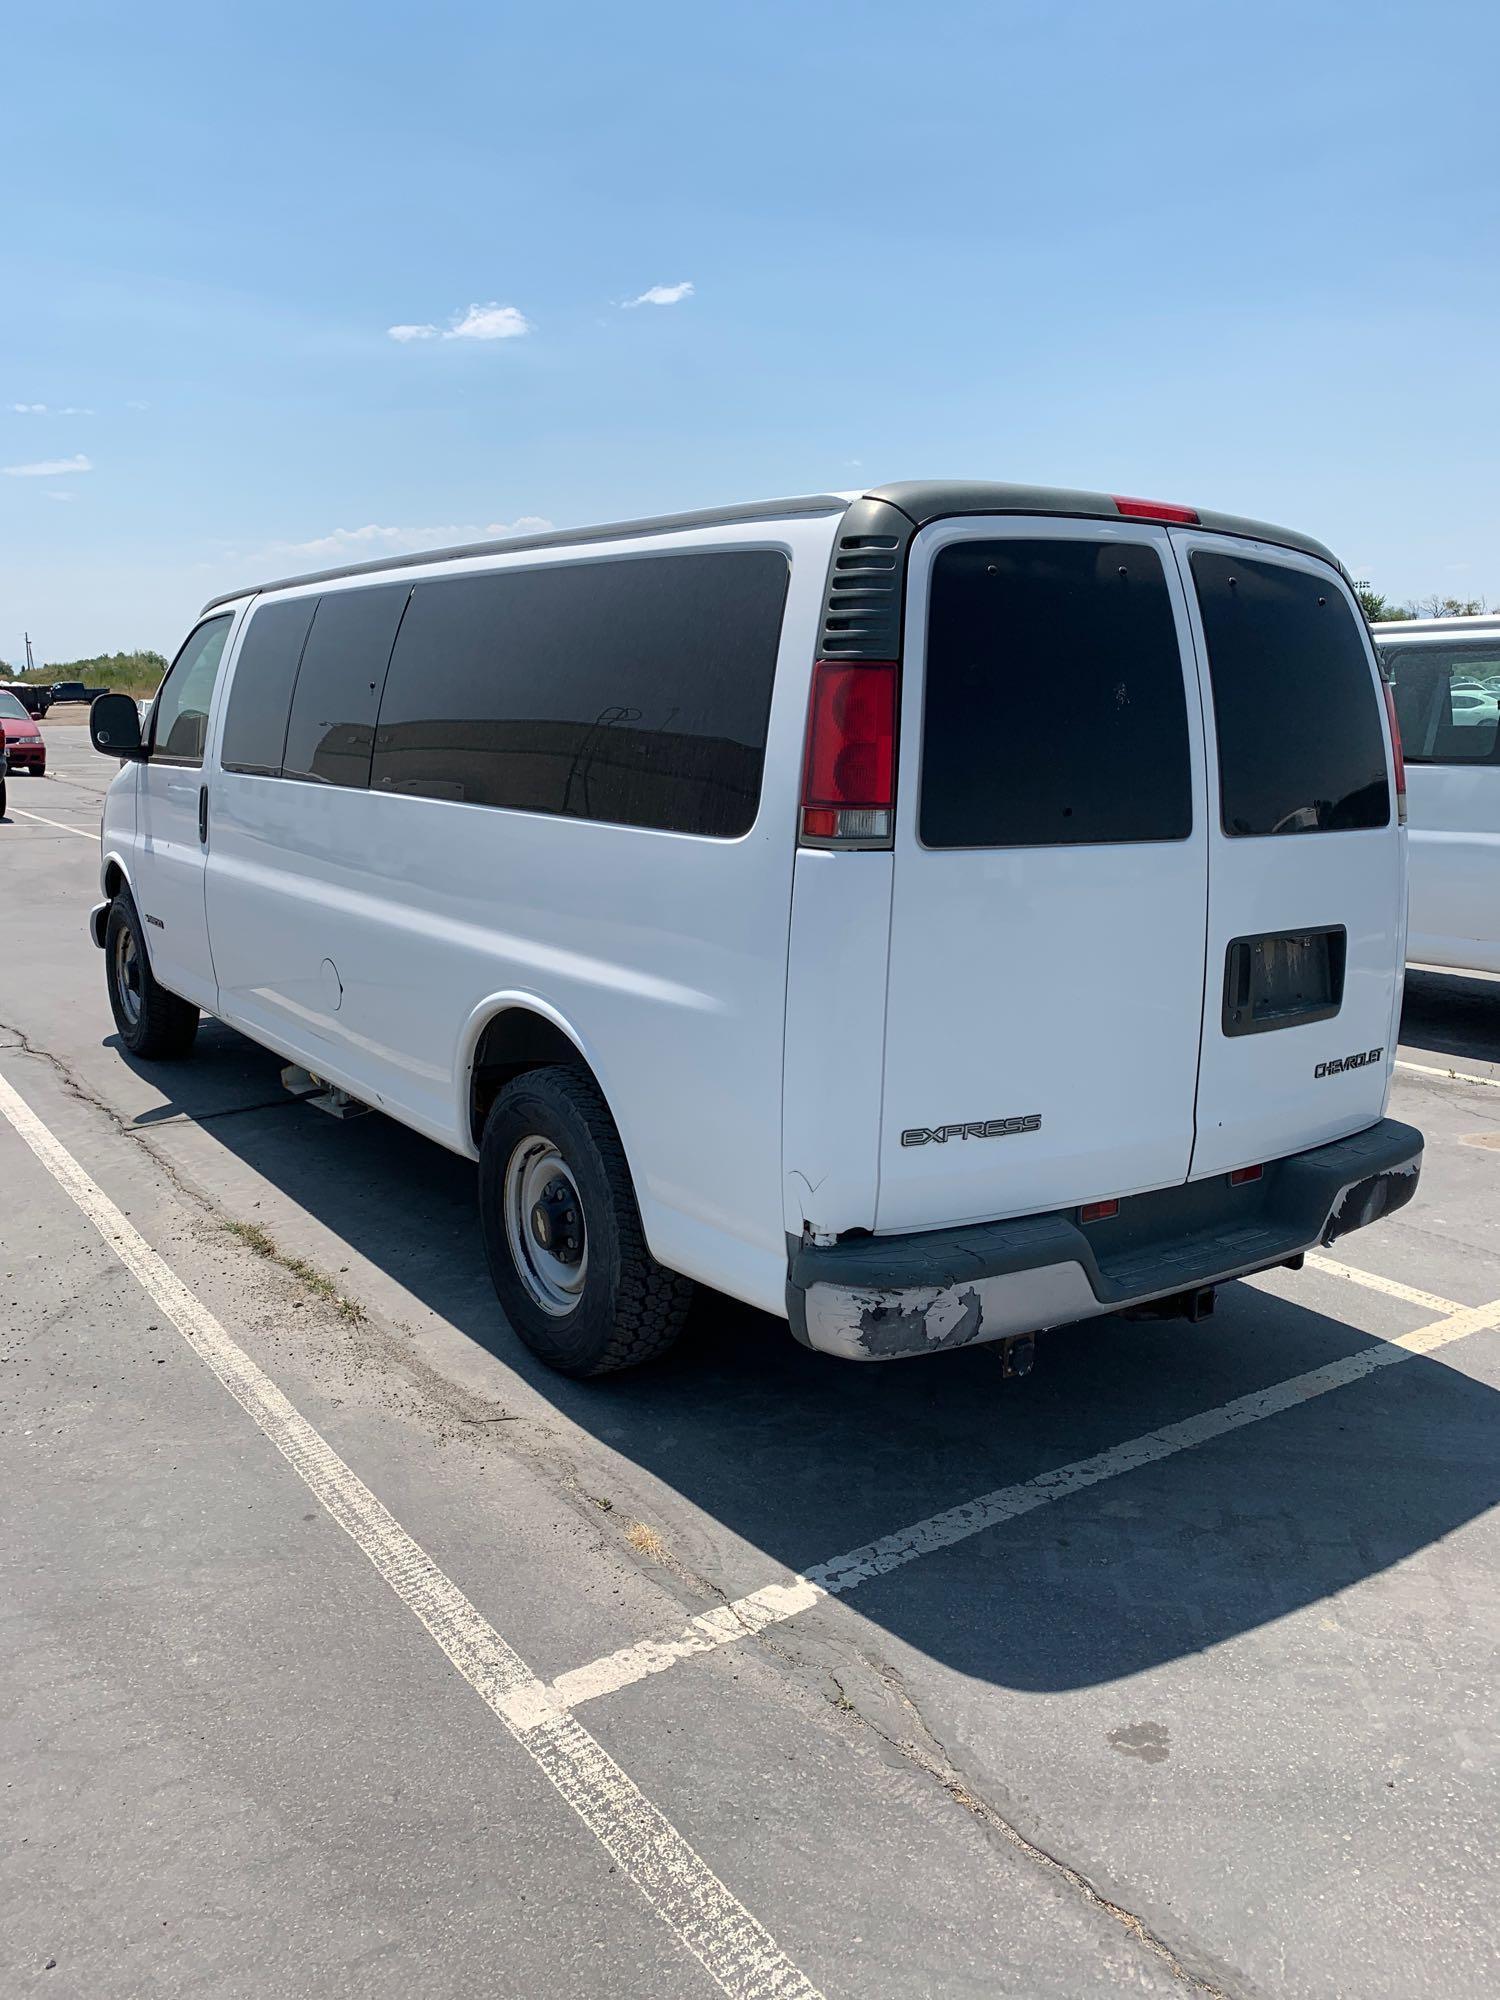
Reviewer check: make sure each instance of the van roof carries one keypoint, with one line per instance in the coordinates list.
(921, 500)
(1478, 624)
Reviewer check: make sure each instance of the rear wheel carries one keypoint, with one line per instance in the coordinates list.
(153, 1023)
(562, 1232)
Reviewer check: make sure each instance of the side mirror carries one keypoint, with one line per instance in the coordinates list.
(115, 726)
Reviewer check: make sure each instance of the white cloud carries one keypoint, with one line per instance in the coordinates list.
(29, 409)
(71, 410)
(491, 322)
(371, 541)
(50, 468)
(479, 322)
(663, 295)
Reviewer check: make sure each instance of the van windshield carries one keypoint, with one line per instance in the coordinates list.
(1296, 707)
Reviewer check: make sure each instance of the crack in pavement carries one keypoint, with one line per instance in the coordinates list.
(938, 1765)
(448, 1403)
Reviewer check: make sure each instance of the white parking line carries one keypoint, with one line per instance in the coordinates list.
(735, 1949)
(1392, 1287)
(1450, 1075)
(78, 832)
(793, 1594)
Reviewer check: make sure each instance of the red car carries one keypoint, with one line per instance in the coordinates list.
(23, 740)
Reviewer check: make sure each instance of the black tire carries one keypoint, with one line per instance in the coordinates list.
(629, 1309)
(2, 798)
(153, 1023)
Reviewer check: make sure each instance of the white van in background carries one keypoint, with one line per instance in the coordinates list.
(1446, 676)
(928, 915)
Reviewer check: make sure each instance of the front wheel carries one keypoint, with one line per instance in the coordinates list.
(562, 1232)
(153, 1023)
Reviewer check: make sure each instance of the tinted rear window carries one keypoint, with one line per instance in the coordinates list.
(1447, 699)
(1296, 708)
(1055, 712)
(332, 726)
(635, 691)
(261, 692)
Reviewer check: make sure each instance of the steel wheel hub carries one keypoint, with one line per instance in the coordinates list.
(544, 1225)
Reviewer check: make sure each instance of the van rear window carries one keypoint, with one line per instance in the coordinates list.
(1296, 707)
(1055, 712)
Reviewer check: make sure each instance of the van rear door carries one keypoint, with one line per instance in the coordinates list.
(1305, 856)
(1045, 990)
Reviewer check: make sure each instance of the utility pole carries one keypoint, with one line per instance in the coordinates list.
(30, 663)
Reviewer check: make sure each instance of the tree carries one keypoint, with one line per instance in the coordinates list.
(1447, 607)
(1376, 607)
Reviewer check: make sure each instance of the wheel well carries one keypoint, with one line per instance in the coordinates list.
(114, 880)
(513, 1041)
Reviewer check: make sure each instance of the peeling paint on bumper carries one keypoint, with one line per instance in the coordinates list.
(892, 1298)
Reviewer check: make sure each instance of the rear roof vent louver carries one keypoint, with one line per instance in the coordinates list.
(862, 608)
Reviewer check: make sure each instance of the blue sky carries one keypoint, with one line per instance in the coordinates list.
(1245, 256)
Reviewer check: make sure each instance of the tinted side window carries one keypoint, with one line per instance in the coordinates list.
(179, 715)
(332, 725)
(1296, 708)
(1447, 700)
(632, 690)
(1055, 712)
(260, 694)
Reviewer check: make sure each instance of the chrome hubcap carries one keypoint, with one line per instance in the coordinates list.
(544, 1225)
(128, 974)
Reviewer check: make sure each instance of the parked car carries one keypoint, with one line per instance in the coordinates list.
(734, 888)
(34, 699)
(23, 740)
(1445, 673)
(75, 691)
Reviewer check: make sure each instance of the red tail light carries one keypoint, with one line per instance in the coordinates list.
(1396, 752)
(1242, 1175)
(1155, 510)
(1098, 1211)
(848, 781)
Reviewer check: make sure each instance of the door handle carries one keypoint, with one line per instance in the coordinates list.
(203, 814)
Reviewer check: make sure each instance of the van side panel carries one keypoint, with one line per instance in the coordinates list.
(1455, 866)
(365, 932)
(835, 1038)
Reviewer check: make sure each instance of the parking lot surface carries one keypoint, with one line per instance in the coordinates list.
(349, 1652)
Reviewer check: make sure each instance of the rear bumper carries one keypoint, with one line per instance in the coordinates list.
(882, 1298)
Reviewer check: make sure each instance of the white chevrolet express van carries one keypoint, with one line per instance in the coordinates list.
(1446, 678)
(927, 915)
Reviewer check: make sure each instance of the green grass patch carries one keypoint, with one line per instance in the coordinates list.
(264, 1244)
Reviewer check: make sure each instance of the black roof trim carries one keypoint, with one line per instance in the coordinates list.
(559, 538)
(920, 500)
(925, 500)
